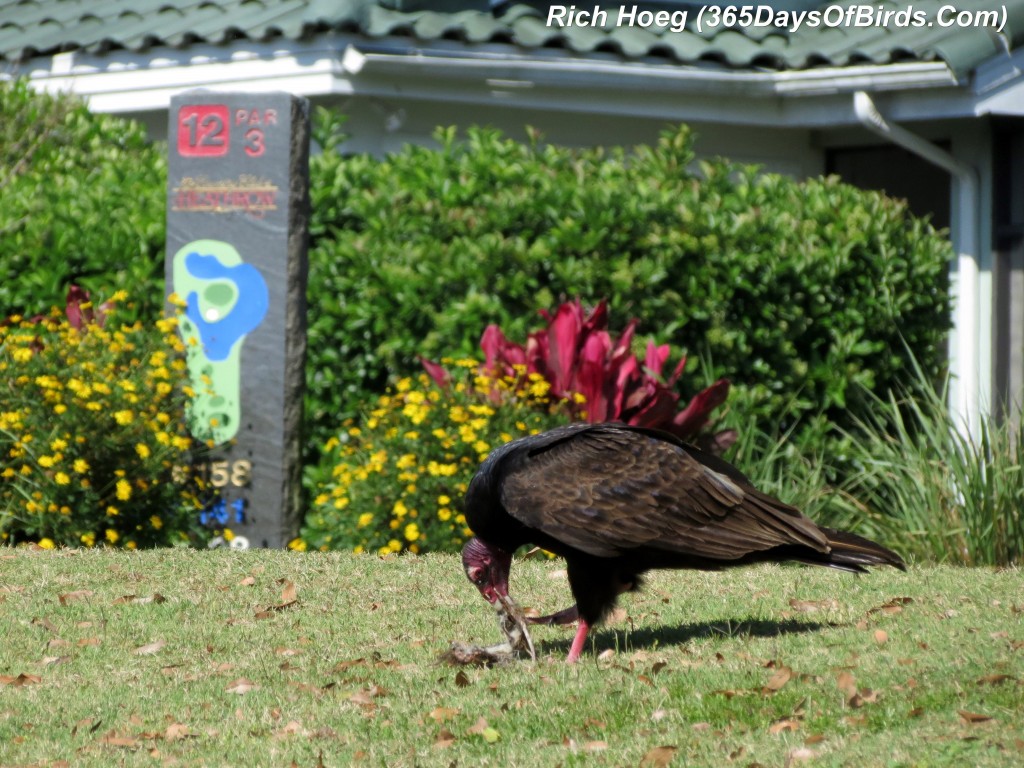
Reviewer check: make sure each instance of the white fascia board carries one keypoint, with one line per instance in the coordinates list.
(817, 98)
(123, 81)
(614, 75)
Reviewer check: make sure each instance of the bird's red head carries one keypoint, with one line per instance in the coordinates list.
(487, 567)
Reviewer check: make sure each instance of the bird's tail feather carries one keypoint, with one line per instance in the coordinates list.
(850, 552)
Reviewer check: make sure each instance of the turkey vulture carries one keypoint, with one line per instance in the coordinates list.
(616, 501)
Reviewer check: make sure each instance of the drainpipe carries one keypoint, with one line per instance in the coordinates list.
(967, 358)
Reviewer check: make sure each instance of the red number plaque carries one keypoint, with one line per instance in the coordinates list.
(203, 130)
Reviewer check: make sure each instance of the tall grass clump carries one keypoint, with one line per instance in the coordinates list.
(803, 465)
(944, 495)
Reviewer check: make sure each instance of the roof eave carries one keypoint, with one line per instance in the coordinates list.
(601, 73)
(125, 81)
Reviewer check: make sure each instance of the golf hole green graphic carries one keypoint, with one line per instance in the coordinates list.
(225, 299)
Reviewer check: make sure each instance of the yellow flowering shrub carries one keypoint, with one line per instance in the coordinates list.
(396, 481)
(92, 429)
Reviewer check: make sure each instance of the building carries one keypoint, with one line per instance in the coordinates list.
(922, 99)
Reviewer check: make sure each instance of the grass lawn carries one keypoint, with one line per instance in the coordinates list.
(274, 658)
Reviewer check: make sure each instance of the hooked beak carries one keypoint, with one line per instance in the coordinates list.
(493, 594)
(488, 568)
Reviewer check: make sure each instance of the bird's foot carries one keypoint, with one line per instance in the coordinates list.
(566, 616)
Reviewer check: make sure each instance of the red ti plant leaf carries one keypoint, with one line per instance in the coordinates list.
(564, 333)
(437, 372)
(499, 352)
(80, 312)
(657, 357)
(692, 419)
(73, 307)
(576, 355)
(590, 377)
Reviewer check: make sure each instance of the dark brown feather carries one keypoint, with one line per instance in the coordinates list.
(608, 490)
(616, 501)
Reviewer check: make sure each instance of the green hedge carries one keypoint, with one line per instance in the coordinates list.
(797, 291)
(83, 201)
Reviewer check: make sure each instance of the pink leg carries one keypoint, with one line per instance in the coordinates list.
(577, 643)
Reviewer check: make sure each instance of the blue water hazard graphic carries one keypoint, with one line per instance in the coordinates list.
(219, 512)
(219, 335)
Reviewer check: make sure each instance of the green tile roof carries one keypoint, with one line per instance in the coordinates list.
(30, 28)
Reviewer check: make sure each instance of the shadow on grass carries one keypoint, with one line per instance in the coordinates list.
(625, 639)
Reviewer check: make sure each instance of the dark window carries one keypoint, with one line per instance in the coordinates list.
(898, 173)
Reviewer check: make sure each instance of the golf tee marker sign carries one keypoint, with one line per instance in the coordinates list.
(237, 210)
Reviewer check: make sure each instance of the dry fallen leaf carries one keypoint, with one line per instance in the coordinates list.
(289, 594)
(78, 594)
(731, 692)
(995, 679)
(150, 648)
(445, 738)
(156, 597)
(440, 714)
(316, 690)
(616, 616)
(291, 728)
(461, 679)
(115, 739)
(659, 757)
(808, 606)
(481, 728)
(248, 581)
(800, 754)
(19, 680)
(865, 696)
(786, 724)
(971, 718)
(367, 695)
(341, 666)
(176, 731)
(881, 636)
(782, 676)
(893, 606)
(241, 686)
(847, 684)
(45, 624)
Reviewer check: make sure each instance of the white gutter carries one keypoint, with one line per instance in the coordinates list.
(558, 70)
(970, 359)
(131, 81)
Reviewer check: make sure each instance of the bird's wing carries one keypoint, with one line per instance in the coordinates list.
(608, 489)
